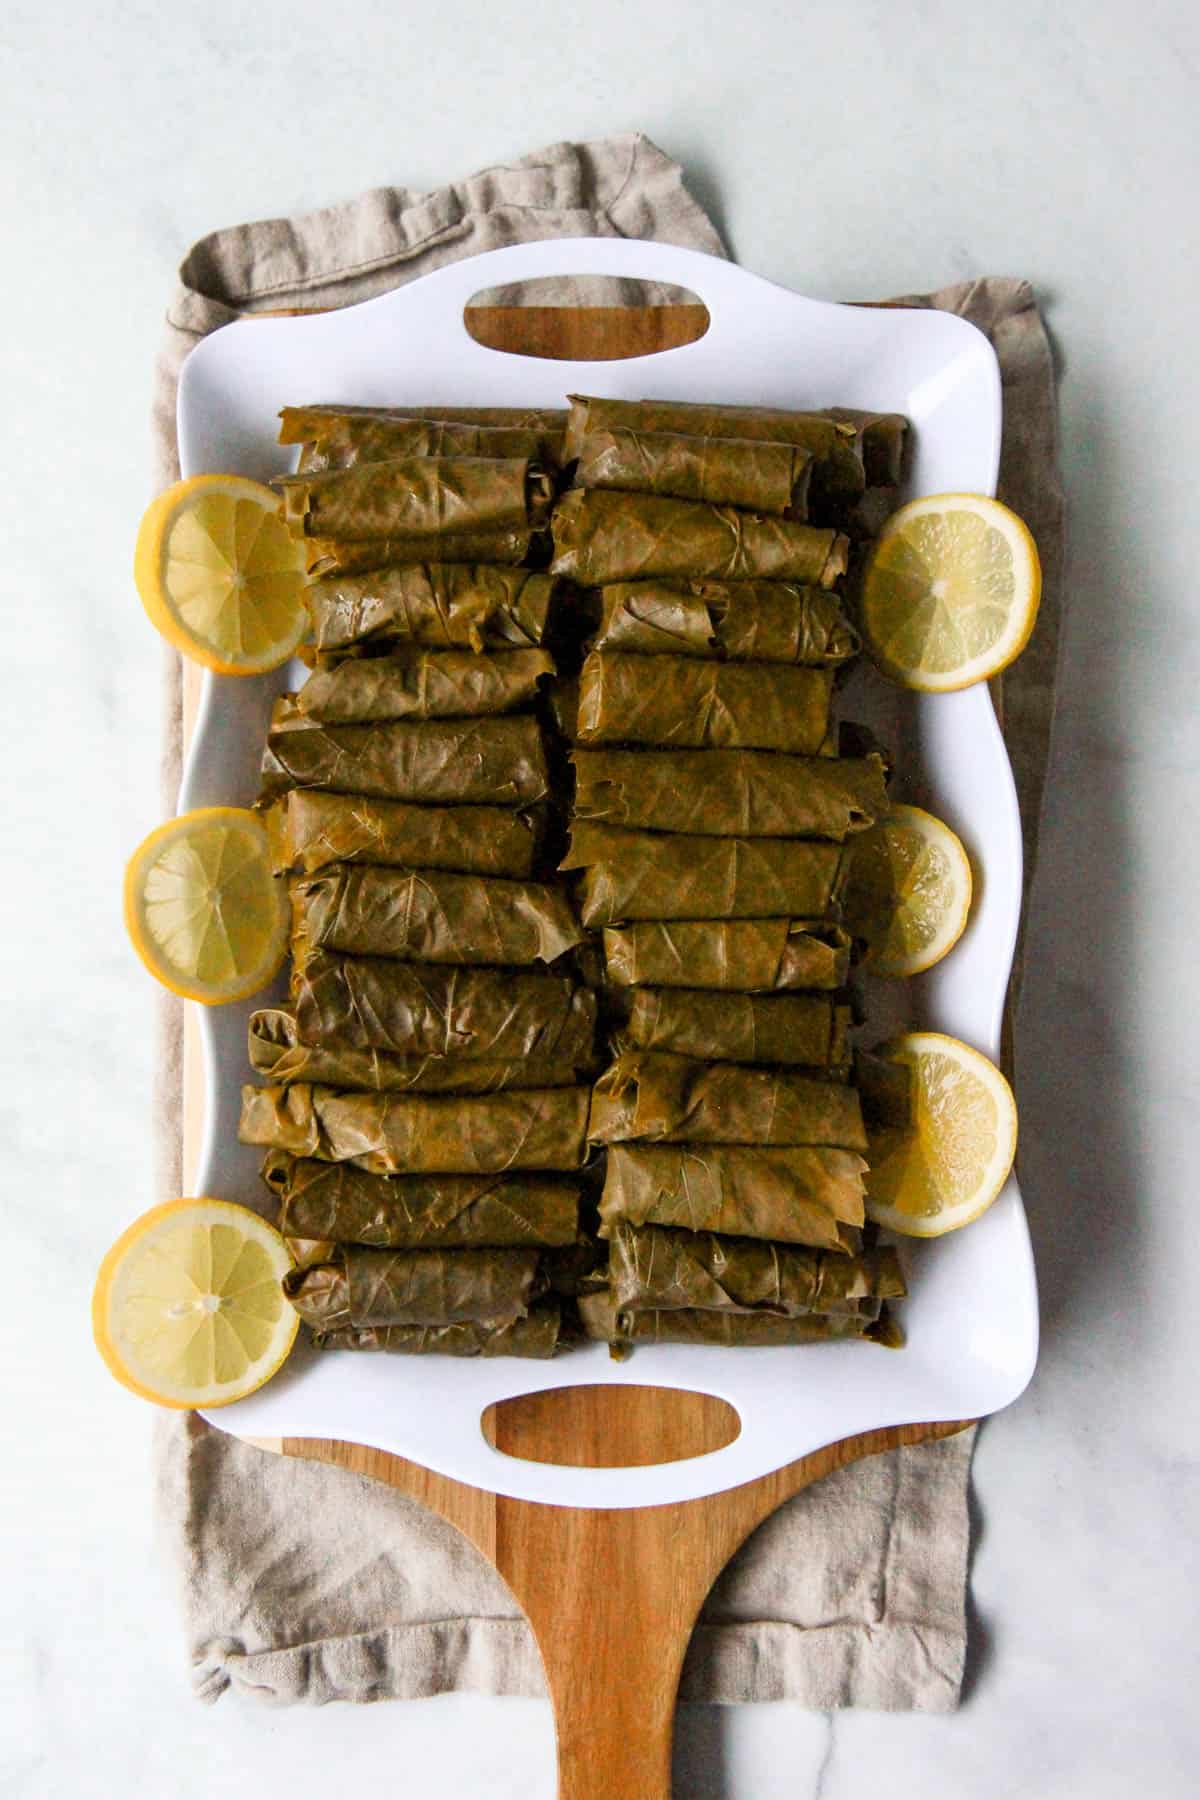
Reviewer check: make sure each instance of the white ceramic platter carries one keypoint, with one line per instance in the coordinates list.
(971, 1317)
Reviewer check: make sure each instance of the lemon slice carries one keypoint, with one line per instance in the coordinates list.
(202, 907)
(950, 1161)
(909, 892)
(950, 592)
(188, 1309)
(220, 574)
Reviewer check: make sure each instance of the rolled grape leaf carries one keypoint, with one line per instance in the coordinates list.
(305, 424)
(745, 954)
(500, 761)
(536, 1335)
(684, 703)
(793, 1195)
(417, 496)
(730, 471)
(833, 444)
(724, 1330)
(432, 916)
(655, 1097)
(798, 1030)
(423, 684)
(334, 557)
(746, 621)
(414, 1009)
(657, 1268)
(340, 440)
(634, 875)
(601, 536)
(278, 1056)
(882, 440)
(308, 829)
(342, 1203)
(730, 793)
(415, 1134)
(414, 1287)
(441, 605)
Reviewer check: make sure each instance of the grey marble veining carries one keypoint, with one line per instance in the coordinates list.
(850, 153)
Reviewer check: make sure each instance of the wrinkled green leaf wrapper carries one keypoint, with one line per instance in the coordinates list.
(536, 1335)
(659, 1269)
(329, 557)
(342, 440)
(684, 703)
(500, 761)
(308, 830)
(450, 605)
(745, 954)
(793, 1195)
(601, 536)
(414, 1009)
(432, 916)
(800, 1030)
(344, 1204)
(761, 477)
(659, 1098)
(833, 443)
(415, 496)
(746, 621)
(414, 1287)
(634, 875)
(718, 1330)
(277, 1055)
(423, 684)
(414, 1134)
(730, 793)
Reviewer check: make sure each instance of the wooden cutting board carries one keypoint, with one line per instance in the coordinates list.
(611, 1595)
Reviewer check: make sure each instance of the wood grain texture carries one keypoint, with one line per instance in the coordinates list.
(611, 1595)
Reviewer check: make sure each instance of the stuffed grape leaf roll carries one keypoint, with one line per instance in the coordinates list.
(761, 477)
(414, 1134)
(794, 1194)
(308, 829)
(423, 684)
(536, 1335)
(655, 1097)
(746, 621)
(340, 440)
(441, 605)
(798, 1030)
(730, 793)
(414, 1287)
(499, 761)
(723, 1330)
(746, 954)
(417, 496)
(329, 556)
(277, 1055)
(683, 703)
(601, 536)
(659, 1268)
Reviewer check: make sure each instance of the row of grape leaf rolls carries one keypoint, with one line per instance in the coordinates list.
(424, 1094)
(710, 837)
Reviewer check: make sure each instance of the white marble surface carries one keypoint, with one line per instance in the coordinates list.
(856, 151)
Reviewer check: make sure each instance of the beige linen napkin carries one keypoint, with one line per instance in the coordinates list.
(305, 1583)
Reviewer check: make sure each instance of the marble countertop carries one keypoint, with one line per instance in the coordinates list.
(853, 154)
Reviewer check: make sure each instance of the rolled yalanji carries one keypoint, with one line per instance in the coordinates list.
(536, 1335)
(423, 684)
(683, 703)
(432, 916)
(439, 605)
(304, 424)
(417, 496)
(743, 954)
(416, 1134)
(632, 875)
(655, 1097)
(326, 556)
(415, 1009)
(278, 1056)
(308, 829)
(340, 440)
(414, 1287)
(746, 621)
(499, 761)
(344, 1204)
(798, 1030)
(602, 536)
(762, 477)
(730, 793)
(882, 438)
(792, 1195)
(602, 1321)
(832, 443)
(658, 1268)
